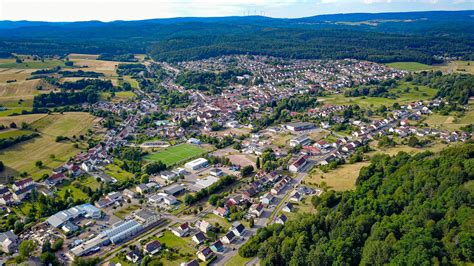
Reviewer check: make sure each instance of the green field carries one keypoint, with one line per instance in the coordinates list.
(118, 173)
(410, 66)
(176, 154)
(22, 156)
(237, 260)
(424, 93)
(15, 106)
(33, 64)
(182, 246)
(14, 133)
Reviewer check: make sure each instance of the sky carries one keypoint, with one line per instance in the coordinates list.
(108, 10)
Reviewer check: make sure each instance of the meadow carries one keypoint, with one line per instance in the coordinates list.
(423, 93)
(118, 173)
(22, 157)
(176, 154)
(342, 178)
(31, 64)
(410, 66)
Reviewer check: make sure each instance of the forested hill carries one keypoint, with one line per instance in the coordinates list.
(406, 210)
(385, 37)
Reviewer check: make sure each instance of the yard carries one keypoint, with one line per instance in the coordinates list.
(237, 260)
(176, 154)
(213, 219)
(125, 211)
(183, 252)
(118, 173)
(22, 156)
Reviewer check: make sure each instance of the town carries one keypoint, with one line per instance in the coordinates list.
(234, 149)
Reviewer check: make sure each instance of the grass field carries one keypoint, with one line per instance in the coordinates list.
(100, 66)
(125, 211)
(410, 66)
(185, 252)
(176, 154)
(450, 122)
(116, 172)
(213, 219)
(341, 179)
(18, 119)
(30, 64)
(22, 157)
(458, 67)
(424, 93)
(14, 133)
(237, 260)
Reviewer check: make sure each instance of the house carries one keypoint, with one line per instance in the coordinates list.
(296, 197)
(114, 196)
(204, 226)
(299, 164)
(129, 194)
(9, 242)
(152, 247)
(168, 175)
(228, 238)
(205, 254)
(133, 256)
(256, 209)
(181, 230)
(266, 199)
(21, 194)
(238, 229)
(216, 172)
(191, 263)
(288, 208)
(281, 219)
(142, 188)
(18, 185)
(199, 238)
(217, 246)
(221, 212)
(174, 190)
(55, 179)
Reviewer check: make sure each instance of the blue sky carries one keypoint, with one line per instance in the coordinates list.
(107, 10)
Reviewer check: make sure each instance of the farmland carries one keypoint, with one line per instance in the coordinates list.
(410, 66)
(176, 154)
(45, 148)
(32, 64)
(13, 133)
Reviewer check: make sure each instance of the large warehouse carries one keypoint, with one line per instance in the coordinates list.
(196, 164)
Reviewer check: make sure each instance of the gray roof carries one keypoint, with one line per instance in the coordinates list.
(7, 235)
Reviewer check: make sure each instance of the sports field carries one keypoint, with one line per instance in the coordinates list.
(176, 154)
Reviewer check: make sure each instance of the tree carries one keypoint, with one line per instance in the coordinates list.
(12, 125)
(413, 141)
(2, 166)
(246, 170)
(154, 167)
(48, 258)
(39, 164)
(26, 248)
(257, 163)
(251, 222)
(18, 227)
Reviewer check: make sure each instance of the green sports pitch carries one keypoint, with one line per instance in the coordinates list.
(176, 154)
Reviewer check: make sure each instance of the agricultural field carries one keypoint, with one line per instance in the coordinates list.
(18, 119)
(31, 64)
(87, 63)
(466, 67)
(435, 147)
(22, 157)
(14, 133)
(410, 66)
(341, 179)
(423, 93)
(10, 74)
(176, 154)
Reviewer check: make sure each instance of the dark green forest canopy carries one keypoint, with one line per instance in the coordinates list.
(391, 38)
(406, 210)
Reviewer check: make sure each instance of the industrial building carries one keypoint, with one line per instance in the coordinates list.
(196, 164)
(85, 210)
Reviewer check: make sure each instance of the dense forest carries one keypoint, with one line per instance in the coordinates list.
(454, 87)
(426, 37)
(406, 210)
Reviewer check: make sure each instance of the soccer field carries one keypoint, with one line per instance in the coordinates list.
(176, 154)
